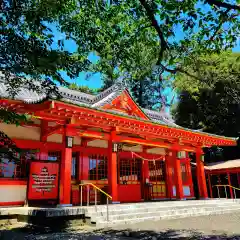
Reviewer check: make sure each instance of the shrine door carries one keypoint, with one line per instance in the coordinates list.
(157, 178)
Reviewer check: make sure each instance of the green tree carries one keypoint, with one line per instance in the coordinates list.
(138, 39)
(212, 104)
(26, 51)
(120, 31)
(209, 69)
(83, 89)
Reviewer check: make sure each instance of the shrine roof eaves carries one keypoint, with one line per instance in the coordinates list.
(95, 102)
(229, 164)
(80, 98)
(159, 123)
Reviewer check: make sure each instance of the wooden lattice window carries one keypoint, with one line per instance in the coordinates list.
(185, 170)
(98, 168)
(129, 171)
(157, 171)
(75, 165)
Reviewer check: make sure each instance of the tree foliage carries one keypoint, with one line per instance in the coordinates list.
(209, 69)
(26, 45)
(83, 89)
(163, 34)
(145, 41)
(133, 38)
(26, 51)
(214, 103)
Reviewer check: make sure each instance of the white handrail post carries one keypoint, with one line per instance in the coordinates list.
(225, 191)
(234, 193)
(81, 195)
(218, 192)
(107, 211)
(95, 197)
(88, 194)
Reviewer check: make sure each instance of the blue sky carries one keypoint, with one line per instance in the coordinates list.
(71, 46)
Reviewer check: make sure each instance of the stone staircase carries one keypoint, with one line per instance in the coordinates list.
(123, 214)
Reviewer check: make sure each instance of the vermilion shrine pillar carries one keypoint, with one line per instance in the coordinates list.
(84, 163)
(177, 173)
(169, 176)
(229, 183)
(43, 154)
(65, 169)
(189, 171)
(112, 169)
(201, 179)
(145, 176)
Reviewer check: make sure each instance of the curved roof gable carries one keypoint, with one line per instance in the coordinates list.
(124, 103)
(116, 99)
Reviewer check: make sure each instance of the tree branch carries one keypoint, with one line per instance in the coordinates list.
(179, 69)
(219, 3)
(222, 20)
(163, 43)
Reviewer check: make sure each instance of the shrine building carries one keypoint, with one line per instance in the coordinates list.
(223, 179)
(103, 141)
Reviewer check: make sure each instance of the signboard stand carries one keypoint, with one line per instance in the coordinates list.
(43, 180)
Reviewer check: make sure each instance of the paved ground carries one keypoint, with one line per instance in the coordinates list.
(225, 226)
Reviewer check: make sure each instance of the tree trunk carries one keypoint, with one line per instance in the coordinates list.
(140, 95)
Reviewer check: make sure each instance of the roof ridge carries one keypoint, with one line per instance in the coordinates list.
(118, 86)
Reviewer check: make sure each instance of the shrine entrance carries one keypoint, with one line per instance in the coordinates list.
(157, 179)
(129, 178)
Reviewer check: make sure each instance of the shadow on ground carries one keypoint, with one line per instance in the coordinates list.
(39, 233)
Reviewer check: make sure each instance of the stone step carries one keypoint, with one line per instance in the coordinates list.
(167, 203)
(158, 206)
(132, 215)
(152, 209)
(101, 224)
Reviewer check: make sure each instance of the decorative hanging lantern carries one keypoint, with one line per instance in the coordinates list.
(181, 154)
(69, 142)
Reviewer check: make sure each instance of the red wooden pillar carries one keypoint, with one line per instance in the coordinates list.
(43, 154)
(229, 183)
(201, 175)
(190, 180)
(210, 185)
(79, 159)
(178, 175)
(65, 172)
(238, 176)
(169, 183)
(145, 170)
(145, 166)
(112, 171)
(145, 173)
(84, 162)
(145, 176)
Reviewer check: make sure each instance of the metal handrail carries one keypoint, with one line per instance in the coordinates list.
(225, 186)
(88, 195)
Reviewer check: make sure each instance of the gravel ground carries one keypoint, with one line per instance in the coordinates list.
(225, 226)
